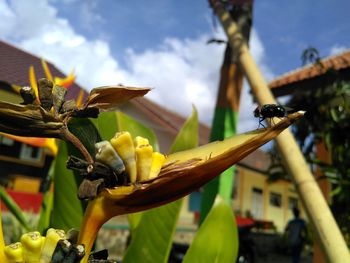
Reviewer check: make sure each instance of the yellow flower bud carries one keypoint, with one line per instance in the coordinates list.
(143, 161)
(157, 162)
(123, 144)
(32, 243)
(14, 253)
(52, 237)
(138, 141)
(106, 154)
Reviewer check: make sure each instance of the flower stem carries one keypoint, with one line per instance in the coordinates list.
(98, 212)
(2, 241)
(68, 136)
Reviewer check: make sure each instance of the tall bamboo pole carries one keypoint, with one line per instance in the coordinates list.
(327, 231)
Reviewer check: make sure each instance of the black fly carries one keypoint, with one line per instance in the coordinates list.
(269, 111)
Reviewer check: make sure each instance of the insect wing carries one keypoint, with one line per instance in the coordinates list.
(289, 109)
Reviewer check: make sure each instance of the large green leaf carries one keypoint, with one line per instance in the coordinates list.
(153, 237)
(45, 212)
(67, 210)
(224, 126)
(46, 205)
(217, 238)
(111, 122)
(187, 138)
(14, 208)
(62, 209)
(86, 132)
(134, 219)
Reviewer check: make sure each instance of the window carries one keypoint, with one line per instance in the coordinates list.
(292, 203)
(29, 153)
(257, 205)
(235, 185)
(9, 147)
(275, 199)
(257, 190)
(6, 141)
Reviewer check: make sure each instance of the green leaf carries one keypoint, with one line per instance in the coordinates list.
(14, 208)
(153, 237)
(86, 132)
(224, 126)
(217, 238)
(67, 210)
(334, 114)
(187, 138)
(336, 191)
(46, 205)
(134, 220)
(45, 212)
(106, 124)
(109, 123)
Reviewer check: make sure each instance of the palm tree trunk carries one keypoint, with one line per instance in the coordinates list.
(225, 118)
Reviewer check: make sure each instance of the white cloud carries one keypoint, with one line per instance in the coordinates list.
(88, 15)
(182, 71)
(53, 38)
(26, 19)
(337, 49)
(8, 16)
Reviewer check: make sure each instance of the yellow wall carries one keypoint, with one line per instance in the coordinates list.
(249, 179)
(186, 216)
(26, 184)
(273, 213)
(10, 97)
(246, 181)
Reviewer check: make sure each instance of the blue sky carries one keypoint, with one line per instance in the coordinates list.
(162, 43)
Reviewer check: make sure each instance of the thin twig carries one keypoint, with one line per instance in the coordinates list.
(67, 135)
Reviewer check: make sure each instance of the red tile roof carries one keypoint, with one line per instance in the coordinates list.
(166, 118)
(312, 74)
(15, 63)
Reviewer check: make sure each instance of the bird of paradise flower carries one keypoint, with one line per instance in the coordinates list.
(181, 173)
(66, 82)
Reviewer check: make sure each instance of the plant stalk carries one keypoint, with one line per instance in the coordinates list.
(2, 241)
(68, 136)
(327, 231)
(97, 213)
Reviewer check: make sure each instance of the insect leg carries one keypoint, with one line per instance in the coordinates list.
(261, 119)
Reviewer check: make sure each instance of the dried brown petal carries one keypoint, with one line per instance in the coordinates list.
(28, 120)
(58, 95)
(90, 189)
(28, 95)
(68, 105)
(45, 93)
(107, 98)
